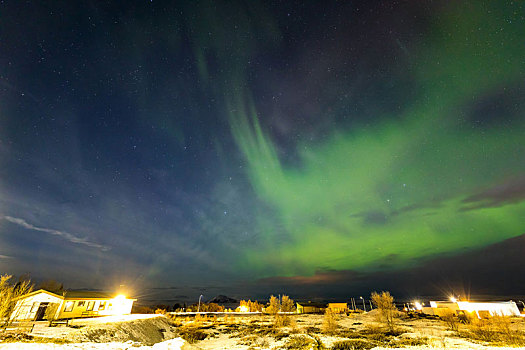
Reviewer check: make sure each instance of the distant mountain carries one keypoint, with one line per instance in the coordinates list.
(223, 299)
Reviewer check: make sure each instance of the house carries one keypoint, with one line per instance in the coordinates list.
(42, 304)
(338, 308)
(310, 308)
(479, 309)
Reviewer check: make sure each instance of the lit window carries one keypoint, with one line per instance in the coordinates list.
(102, 305)
(90, 305)
(69, 306)
(81, 303)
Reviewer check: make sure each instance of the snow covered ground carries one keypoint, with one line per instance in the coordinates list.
(158, 332)
(172, 344)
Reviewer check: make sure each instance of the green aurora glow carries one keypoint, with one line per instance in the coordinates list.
(395, 191)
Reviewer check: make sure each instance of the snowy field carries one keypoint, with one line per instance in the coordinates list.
(255, 332)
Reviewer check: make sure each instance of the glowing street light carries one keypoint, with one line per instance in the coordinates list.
(453, 299)
(199, 307)
(364, 306)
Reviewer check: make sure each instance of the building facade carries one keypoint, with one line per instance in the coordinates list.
(45, 305)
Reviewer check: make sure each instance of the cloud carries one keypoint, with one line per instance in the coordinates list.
(510, 192)
(66, 235)
(372, 217)
(5, 257)
(321, 277)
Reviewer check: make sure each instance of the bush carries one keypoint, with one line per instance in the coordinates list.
(274, 306)
(408, 341)
(281, 321)
(329, 322)
(299, 342)
(8, 292)
(384, 303)
(287, 304)
(496, 329)
(353, 344)
(451, 320)
(192, 334)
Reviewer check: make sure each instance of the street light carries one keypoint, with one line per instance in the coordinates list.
(364, 306)
(199, 307)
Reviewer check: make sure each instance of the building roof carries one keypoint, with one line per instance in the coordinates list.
(72, 295)
(313, 304)
(84, 294)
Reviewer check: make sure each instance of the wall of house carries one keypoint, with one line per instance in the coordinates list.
(338, 307)
(95, 307)
(26, 308)
(491, 309)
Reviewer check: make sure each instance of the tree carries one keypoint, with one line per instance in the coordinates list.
(8, 292)
(274, 306)
(287, 304)
(384, 302)
(52, 286)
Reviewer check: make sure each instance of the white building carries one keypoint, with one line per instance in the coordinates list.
(480, 309)
(41, 304)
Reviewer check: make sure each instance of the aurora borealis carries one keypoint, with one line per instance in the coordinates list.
(232, 145)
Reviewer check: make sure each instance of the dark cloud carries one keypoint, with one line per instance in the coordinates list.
(509, 192)
(496, 107)
(373, 217)
(321, 277)
(418, 206)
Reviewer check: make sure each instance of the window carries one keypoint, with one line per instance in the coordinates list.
(69, 306)
(34, 307)
(102, 305)
(81, 303)
(90, 305)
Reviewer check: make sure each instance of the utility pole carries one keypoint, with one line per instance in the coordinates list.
(364, 306)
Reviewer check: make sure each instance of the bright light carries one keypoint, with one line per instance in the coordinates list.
(452, 299)
(418, 305)
(121, 305)
(243, 308)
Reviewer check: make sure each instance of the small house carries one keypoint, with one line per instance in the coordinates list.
(45, 305)
(310, 308)
(338, 308)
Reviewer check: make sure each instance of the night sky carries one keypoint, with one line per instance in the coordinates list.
(316, 148)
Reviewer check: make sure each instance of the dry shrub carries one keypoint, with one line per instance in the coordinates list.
(8, 292)
(281, 321)
(300, 342)
(287, 304)
(274, 306)
(353, 344)
(330, 324)
(451, 320)
(192, 334)
(384, 303)
(160, 311)
(496, 329)
(380, 334)
(408, 341)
